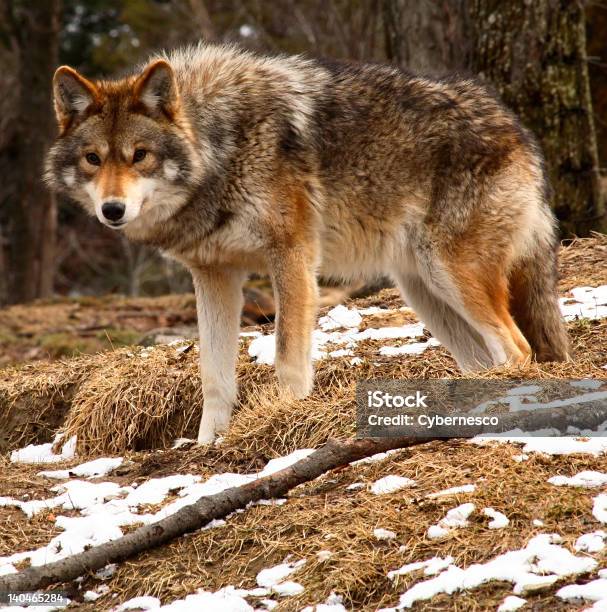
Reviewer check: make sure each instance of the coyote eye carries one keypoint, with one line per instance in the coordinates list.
(139, 155)
(93, 159)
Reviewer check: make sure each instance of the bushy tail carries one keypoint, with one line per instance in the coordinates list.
(534, 304)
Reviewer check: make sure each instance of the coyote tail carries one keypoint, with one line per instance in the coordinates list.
(534, 303)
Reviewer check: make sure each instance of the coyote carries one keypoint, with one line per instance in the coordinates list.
(232, 163)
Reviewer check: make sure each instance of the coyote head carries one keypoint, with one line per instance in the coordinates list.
(126, 150)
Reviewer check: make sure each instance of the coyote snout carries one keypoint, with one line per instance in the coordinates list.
(113, 211)
(233, 163)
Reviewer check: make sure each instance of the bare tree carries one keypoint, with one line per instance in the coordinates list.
(29, 35)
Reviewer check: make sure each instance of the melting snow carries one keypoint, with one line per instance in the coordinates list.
(414, 348)
(550, 445)
(375, 458)
(105, 507)
(383, 534)
(90, 469)
(155, 490)
(467, 488)
(499, 520)
(586, 303)
(595, 591)
(287, 588)
(591, 542)
(340, 316)
(512, 602)
(454, 519)
(274, 578)
(333, 603)
(144, 602)
(599, 508)
(431, 567)
(390, 484)
(540, 563)
(587, 478)
(227, 599)
(262, 348)
(43, 453)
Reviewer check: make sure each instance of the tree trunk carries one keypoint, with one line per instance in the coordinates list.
(596, 48)
(534, 54)
(29, 33)
(425, 36)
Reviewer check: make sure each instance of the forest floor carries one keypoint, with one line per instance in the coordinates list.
(346, 541)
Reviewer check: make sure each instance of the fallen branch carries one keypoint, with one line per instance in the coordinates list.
(332, 455)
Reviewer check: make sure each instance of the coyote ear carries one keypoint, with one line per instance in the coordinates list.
(156, 89)
(73, 94)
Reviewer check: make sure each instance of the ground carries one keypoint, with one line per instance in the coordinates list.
(133, 403)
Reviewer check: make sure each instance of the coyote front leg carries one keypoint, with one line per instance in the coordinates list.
(294, 280)
(219, 304)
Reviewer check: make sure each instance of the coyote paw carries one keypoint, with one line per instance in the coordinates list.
(206, 436)
(215, 420)
(298, 382)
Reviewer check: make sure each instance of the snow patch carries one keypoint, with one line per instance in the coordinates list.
(274, 578)
(586, 303)
(390, 484)
(43, 453)
(587, 478)
(467, 488)
(550, 445)
(512, 602)
(595, 591)
(499, 520)
(144, 602)
(599, 508)
(539, 563)
(340, 316)
(431, 567)
(91, 469)
(328, 335)
(591, 542)
(383, 534)
(456, 518)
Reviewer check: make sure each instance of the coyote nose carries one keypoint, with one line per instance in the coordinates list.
(113, 211)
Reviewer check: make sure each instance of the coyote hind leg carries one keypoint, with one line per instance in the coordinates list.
(445, 324)
(481, 297)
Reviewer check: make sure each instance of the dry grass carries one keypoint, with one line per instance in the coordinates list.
(582, 262)
(117, 401)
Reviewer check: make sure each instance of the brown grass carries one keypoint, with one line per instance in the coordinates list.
(582, 262)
